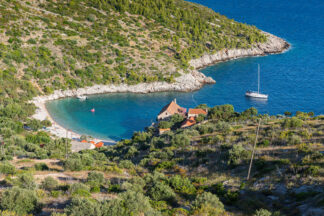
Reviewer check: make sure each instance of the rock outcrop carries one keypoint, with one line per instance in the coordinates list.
(273, 45)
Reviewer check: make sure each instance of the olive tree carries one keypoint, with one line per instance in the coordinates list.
(20, 200)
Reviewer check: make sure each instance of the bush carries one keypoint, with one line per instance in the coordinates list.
(313, 170)
(22, 201)
(182, 185)
(129, 203)
(180, 140)
(7, 168)
(236, 154)
(293, 122)
(83, 207)
(73, 164)
(41, 167)
(95, 179)
(207, 204)
(25, 180)
(79, 189)
(161, 191)
(49, 183)
(262, 212)
(126, 164)
(223, 112)
(165, 124)
(96, 176)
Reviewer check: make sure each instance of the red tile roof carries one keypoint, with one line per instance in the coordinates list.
(197, 112)
(188, 122)
(173, 108)
(161, 130)
(99, 144)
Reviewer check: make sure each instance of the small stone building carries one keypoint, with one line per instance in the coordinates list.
(171, 109)
(196, 112)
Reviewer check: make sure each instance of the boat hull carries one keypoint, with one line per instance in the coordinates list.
(82, 97)
(256, 95)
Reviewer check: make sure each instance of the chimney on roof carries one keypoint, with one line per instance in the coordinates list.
(175, 100)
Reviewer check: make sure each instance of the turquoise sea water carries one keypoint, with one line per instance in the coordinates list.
(294, 80)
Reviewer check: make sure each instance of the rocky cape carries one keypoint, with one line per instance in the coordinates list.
(273, 45)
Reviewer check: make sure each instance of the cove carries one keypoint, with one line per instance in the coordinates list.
(294, 79)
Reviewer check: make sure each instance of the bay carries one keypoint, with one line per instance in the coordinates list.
(294, 80)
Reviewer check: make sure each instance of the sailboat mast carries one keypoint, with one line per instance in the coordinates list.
(258, 78)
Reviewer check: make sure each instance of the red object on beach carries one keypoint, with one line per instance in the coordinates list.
(93, 110)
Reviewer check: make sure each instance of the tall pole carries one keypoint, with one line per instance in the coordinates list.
(66, 140)
(255, 142)
(258, 78)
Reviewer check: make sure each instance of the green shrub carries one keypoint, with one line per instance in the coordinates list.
(237, 154)
(182, 184)
(41, 167)
(129, 203)
(207, 204)
(161, 191)
(262, 212)
(96, 176)
(293, 122)
(7, 168)
(25, 180)
(56, 193)
(79, 189)
(73, 164)
(127, 164)
(313, 170)
(165, 124)
(180, 140)
(83, 207)
(49, 183)
(20, 200)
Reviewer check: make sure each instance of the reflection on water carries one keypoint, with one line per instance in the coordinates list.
(256, 101)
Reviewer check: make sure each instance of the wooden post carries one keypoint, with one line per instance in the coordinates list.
(255, 142)
(66, 140)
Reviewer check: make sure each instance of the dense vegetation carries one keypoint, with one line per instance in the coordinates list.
(52, 45)
(200, 170)
(49, 45)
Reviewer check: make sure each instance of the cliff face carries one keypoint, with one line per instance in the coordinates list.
(273, 45)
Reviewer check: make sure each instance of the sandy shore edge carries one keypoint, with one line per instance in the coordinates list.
(185, 83)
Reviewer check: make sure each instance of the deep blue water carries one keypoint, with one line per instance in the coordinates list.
(294, 80)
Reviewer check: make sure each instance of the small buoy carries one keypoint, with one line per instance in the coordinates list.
(93, 110)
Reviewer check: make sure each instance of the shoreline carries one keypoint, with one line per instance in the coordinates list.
(185, 83)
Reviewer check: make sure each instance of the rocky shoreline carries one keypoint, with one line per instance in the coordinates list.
(185, 83)
(273, 45)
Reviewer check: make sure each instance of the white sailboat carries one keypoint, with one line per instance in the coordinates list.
(257, 94)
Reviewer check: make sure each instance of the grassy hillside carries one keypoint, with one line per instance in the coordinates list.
(195, 171)
(69, 44)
